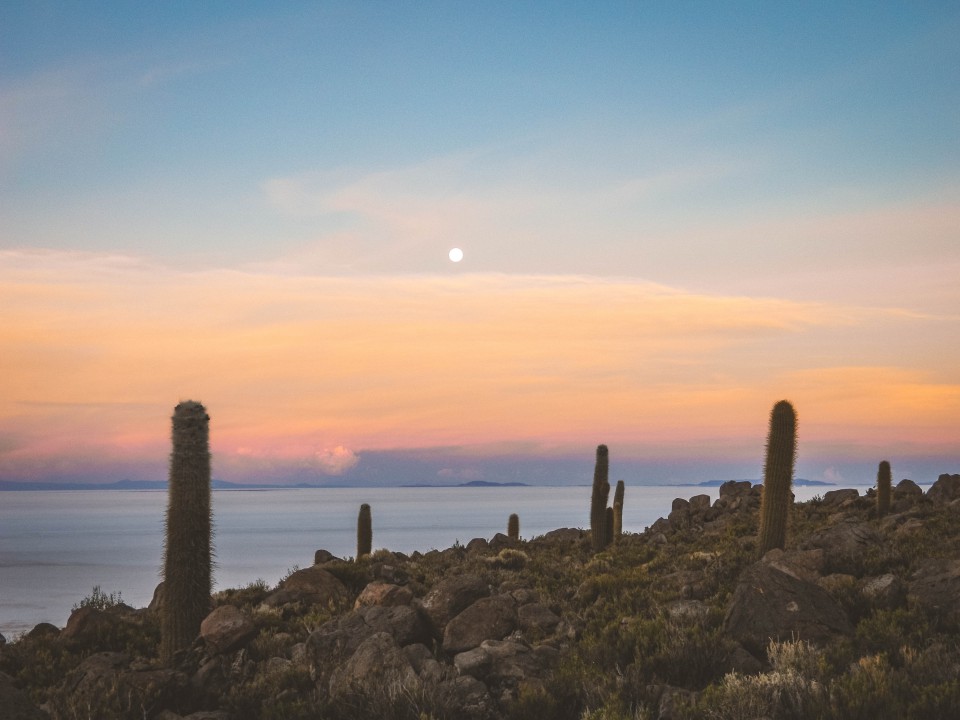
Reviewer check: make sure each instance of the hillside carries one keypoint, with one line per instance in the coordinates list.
(857, 618)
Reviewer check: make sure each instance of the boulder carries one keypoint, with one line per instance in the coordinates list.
(886, 591)
(945, 489)
(478, 545)
(735, 488)
(156, 602)
(907, 488)
(770, 604)
(489, 618)
(340, 637)
(500, 541)
(323, 556)
(465, 698)
(699, 503)
(43, 630)
(845, 544)
(384, 594)
(840, 498)
(226, 629)
(802, 564)
(312, 585)
(16, 703)
(450, 597)
(377, 669)
(534, 616)
(935, 587)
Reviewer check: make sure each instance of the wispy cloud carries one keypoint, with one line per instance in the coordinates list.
(309, 372)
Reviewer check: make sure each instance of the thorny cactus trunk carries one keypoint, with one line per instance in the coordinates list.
(513, 527)
(598, 500)
(187, 552)
(778, 476)
(618, 511)
(364, 532)
(884, 480)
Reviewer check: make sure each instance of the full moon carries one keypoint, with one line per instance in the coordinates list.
(456, 255)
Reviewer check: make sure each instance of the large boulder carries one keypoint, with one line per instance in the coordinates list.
(16, 703)
(312, 585)
(385, 594)
(378, 668)
(771, 604)
(340, 637)
(450, 597)
(489, 618)
(845, 545)
(935, 587)
(945, 489)
(226, 629)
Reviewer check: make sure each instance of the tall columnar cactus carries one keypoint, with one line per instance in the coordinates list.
(187, 555)
(778, 476)
(618, 511)
(513, 527)
(364, 531)
(598, 500)
(884, 480)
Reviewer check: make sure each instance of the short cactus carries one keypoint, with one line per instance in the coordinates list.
(618, 511)
(364, 532)
(884, 480)
(187, 575)
(778, 476)
(513, 527)
(598, 500)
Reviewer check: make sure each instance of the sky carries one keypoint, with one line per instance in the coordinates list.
(672, 215)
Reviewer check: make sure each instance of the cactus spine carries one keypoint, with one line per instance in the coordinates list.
(513, 527)
(618, 511)
(598, 500)
(364, 532)
(187, 575)
(884, 480)
(778, 476)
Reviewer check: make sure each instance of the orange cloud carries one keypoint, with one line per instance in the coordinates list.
(313, 370)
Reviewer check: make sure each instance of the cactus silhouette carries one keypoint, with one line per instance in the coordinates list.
(618, 511)
(598, 500)
(364, 532)
(884, 480)
(513, 527)
(778, 476)
(187, 552)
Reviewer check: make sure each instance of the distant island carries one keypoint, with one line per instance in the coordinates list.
(472, 483)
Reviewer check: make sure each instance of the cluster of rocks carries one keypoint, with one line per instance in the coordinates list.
(469, 647)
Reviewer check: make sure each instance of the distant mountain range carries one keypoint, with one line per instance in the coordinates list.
(797, 481)
(216, 484)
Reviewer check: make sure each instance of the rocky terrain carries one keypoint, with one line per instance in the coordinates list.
(857, 618)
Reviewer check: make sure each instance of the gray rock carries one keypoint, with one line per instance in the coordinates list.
(42, 630)
(907, 488)
(490, 618)
(935, 587)
(450, 597)
(699, 503)
(378, 669)
(385, 594)
(340, 637)
(465, 698)
(312, 585)
(945, 489)
(735, 488)
(323, 556)
(16, 703)
(770, 604)
(476, 663)
(226, 629)
(846, 544)
(535, 616)
(886, 591)
(840, 498)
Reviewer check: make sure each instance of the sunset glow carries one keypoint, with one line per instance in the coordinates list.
(659, 248)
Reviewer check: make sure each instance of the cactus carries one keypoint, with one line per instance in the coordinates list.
(187, 575)
(364, 532)
(778, 476)
(608, 526)
(884, 480)
(513, 527)
(598, 500)
(618, 511)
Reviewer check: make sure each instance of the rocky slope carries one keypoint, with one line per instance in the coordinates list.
(857, 617)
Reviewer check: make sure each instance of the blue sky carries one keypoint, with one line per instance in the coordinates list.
(735, 157)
